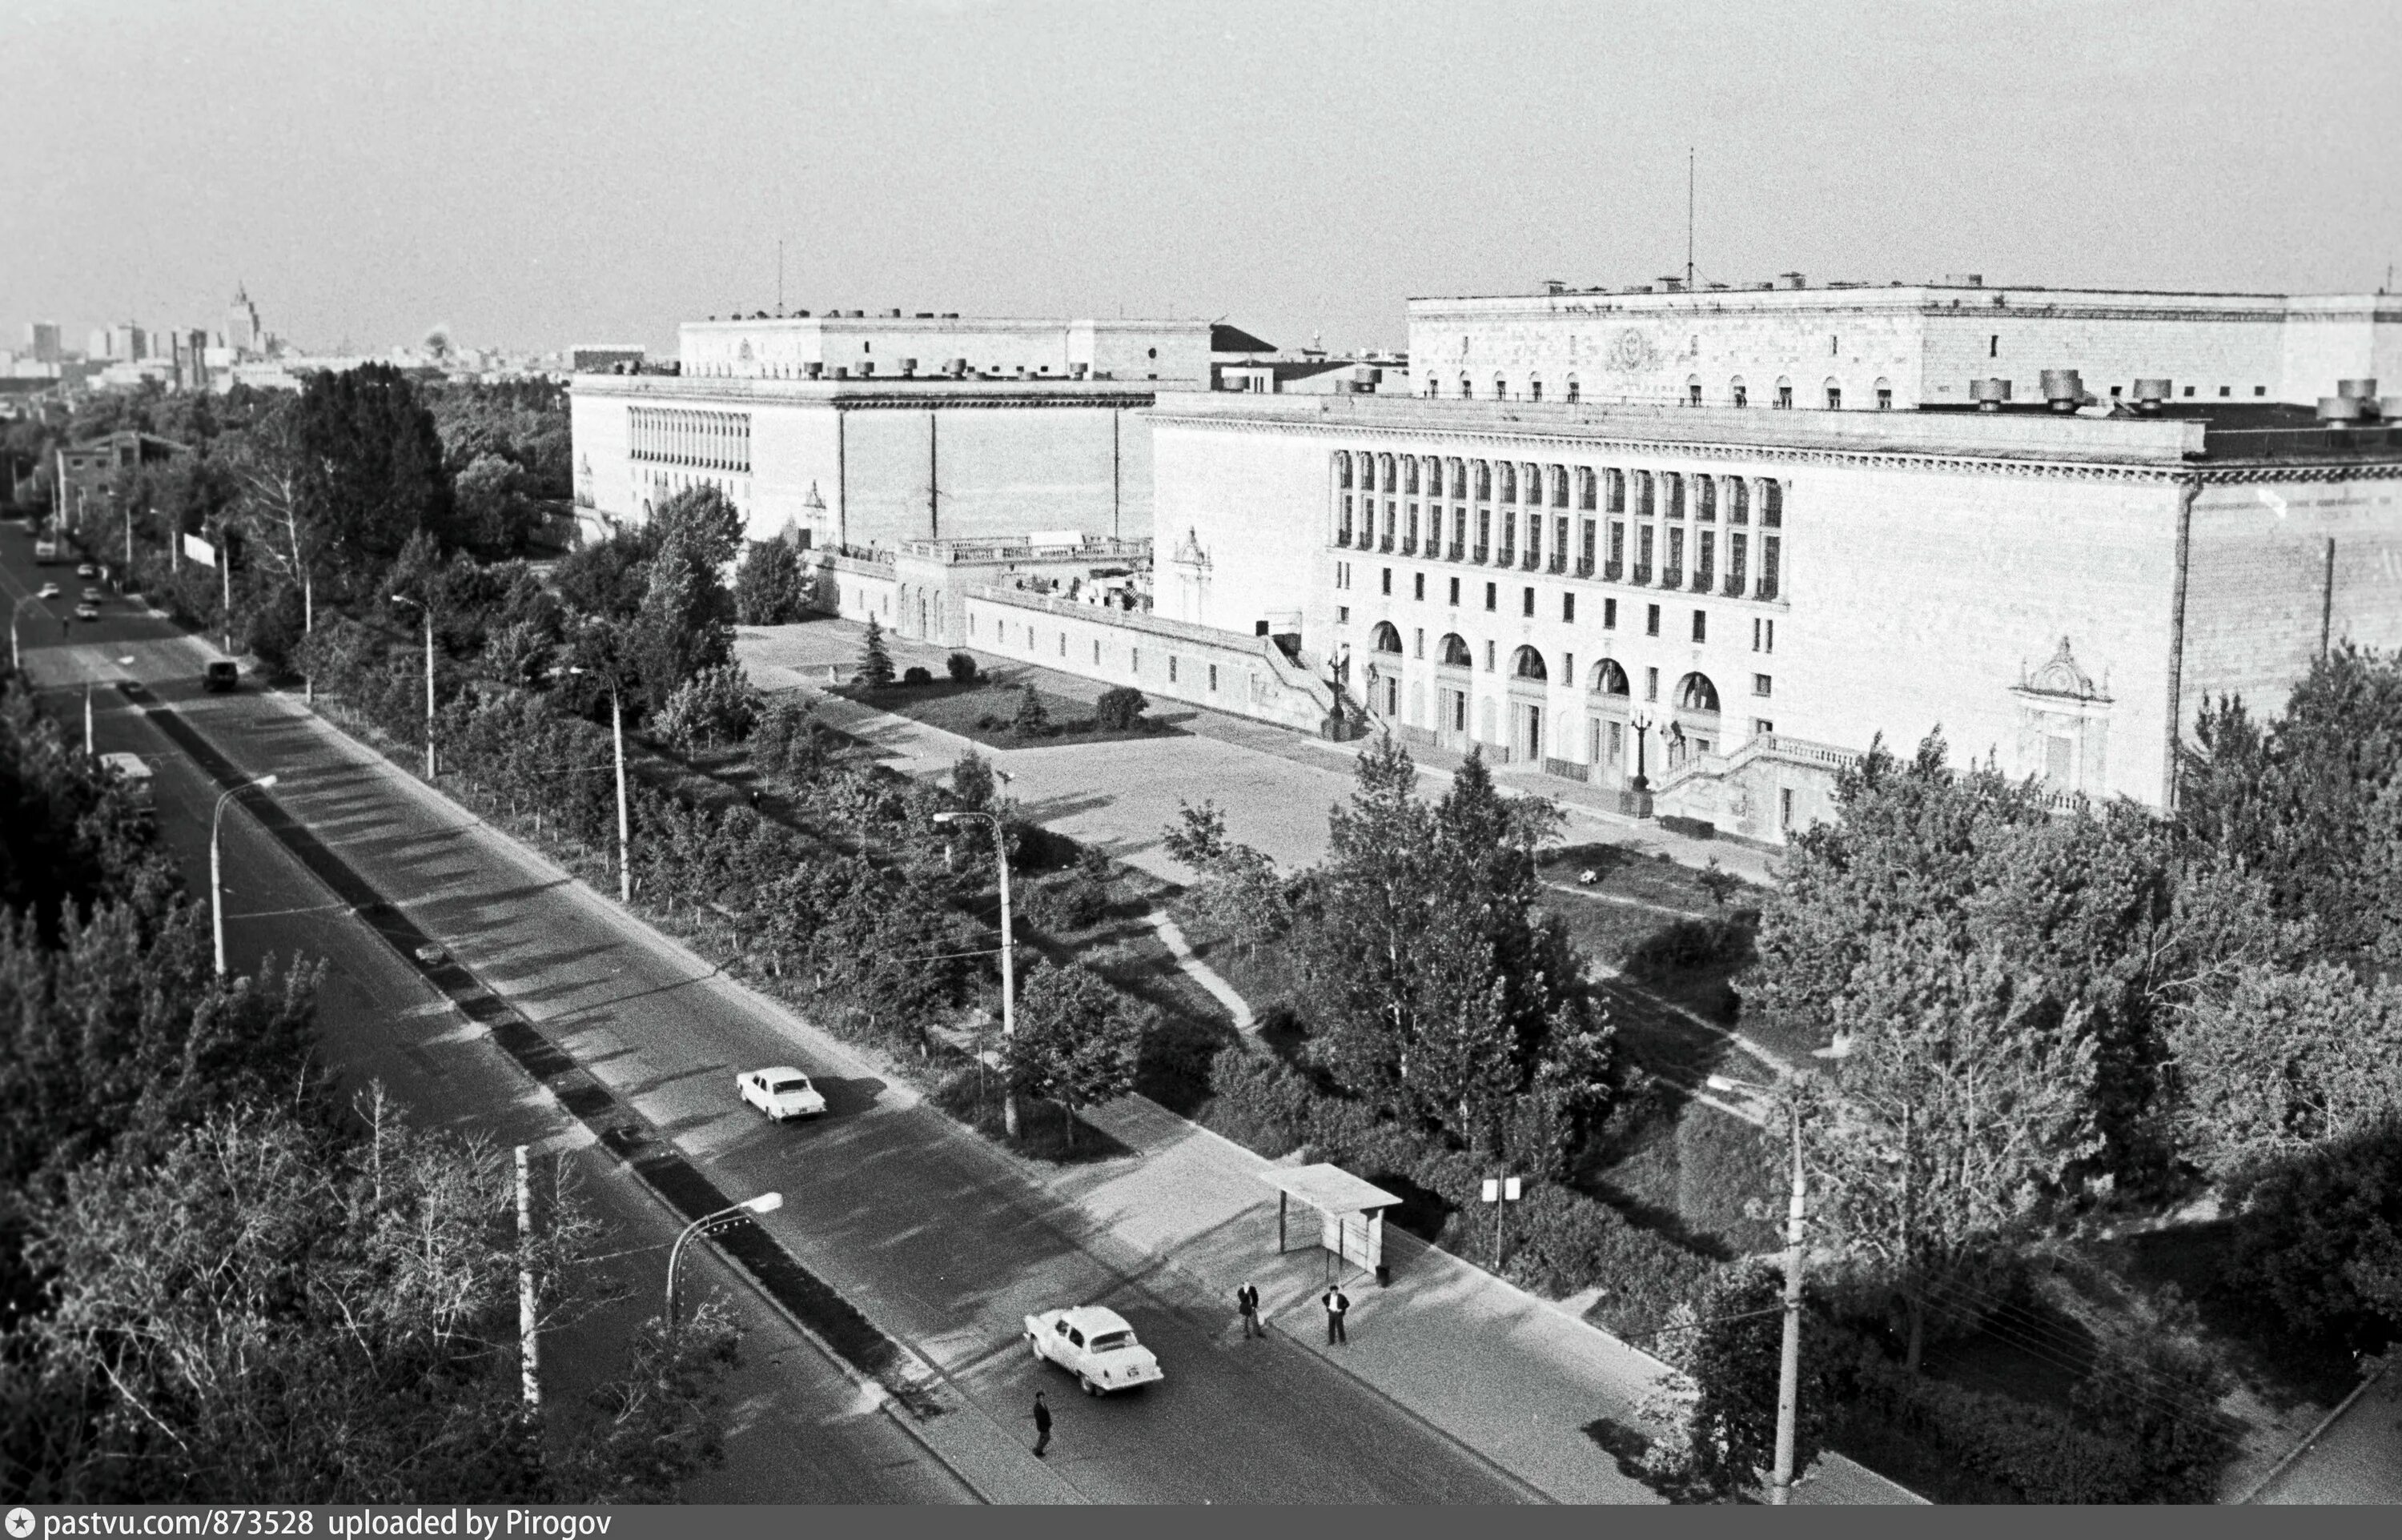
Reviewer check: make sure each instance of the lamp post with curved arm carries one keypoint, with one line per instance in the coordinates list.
(427, 610)
(1008, 964)
(16, 660)
(767, 1203)
(216, 866)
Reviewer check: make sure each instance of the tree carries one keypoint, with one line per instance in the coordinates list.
(1033, 719)
(1717, 1425)
(1119, 708)
(716, 707)
(2318, 1236)
(371, 468)
(875, 660)
(961, 667)
(1076, 1041)
(2281, 1063)
(972, 781)
(686, 620)
(606, 580)
(497, 512)
(770, 589)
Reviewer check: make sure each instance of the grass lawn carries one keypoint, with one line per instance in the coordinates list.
(994, 699)
(2248, 1340)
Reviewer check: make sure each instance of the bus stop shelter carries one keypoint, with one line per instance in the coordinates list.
(1351, 1213)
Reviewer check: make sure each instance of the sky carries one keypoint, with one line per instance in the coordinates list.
(535, 176)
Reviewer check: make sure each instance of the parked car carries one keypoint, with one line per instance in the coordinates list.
(50, 590)
(87, 612)
(221, 676)
(1096, 1345)
(780, 1093)
(130, 769)
(93, 596)
(86, 570)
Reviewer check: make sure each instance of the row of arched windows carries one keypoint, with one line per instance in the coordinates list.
(716, 441)
(1705, 532)
(1606, 678)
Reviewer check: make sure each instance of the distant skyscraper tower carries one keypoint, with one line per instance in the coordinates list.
(242, 331)
(43, 337)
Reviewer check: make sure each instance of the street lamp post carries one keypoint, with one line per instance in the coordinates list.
(767, 1203)
(618, 733)
(1008, 964)
(1788, 1373)
(427, 610)
(216, 865)
(1642, 726)
(15, 659)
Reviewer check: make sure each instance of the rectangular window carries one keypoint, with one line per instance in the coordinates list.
(1885, 399)
(1213, 678)
(1677, 550)
(1417, 642)
(1760, 685)
(1834, 399)
(1763, 635)
(1171, 668)
(1610, 615)
(1568, 607)
(1418, 586)
(1527, 608)
(1585, 557)
(2256, 389)
(1651, 620)
(1785, 807)
(1342, 614)
(1643, 552)
(1488, 654)
(1993, 350)
(1617, 543)
(1454, 592)
(1387, 581)
(1701, 626)
(1650, 685)
(1785, 395)
(1063, 644)
(1617, 741)
(1761, 727)
(1134, 660)
(1492, 596)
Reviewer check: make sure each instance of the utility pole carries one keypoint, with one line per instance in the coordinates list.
(1689, 219)
(529, 1343)
(87, 718)
(1788, 1372)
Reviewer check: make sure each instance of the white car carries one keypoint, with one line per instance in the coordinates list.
(1096, 1345)
(50, 590)
(780, 1093)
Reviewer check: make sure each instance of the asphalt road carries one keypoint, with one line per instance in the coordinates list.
(803, 1432)
(927, 1230)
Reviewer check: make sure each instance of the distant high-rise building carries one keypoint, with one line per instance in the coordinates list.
(129, 342)
(42, 337)
(242, 331)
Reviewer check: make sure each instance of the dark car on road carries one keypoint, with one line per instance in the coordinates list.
(221, 676)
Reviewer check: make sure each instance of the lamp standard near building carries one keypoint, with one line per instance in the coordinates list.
(618, 733)
(15, 659)
(427, 610)
(767, 1203)
(1642, 726)
(1789, 1374)
(1008, 965)
(216, 866)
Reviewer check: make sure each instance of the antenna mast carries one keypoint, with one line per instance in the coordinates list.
(1689, 219)
(780, 276)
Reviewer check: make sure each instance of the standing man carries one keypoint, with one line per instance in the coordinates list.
(1247, 1303)
(1041, 1426)
(1336, 1302)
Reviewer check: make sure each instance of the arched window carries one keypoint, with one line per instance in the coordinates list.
(1386, 472)
(1500, 388)
(1692, 389)
(1643, 504)
(1616, 481)
(1772, 504)
(1834, 394)
(1558, 478)
(1467, 390)
(1455, 652)
(1342, 467)
(1609, 679)
(1784, 391)
(1535, 388)
(1738, 501)
(1433, 475)
(1526, 663)
(1695, 693)
(1483, 482)
(1385, 639)
(1585, 480)
(1883, 395)
(1672, 486)
(1573, 395)
(1509, 482)
(1737, 393)
(1459, 479)
(1705, 500)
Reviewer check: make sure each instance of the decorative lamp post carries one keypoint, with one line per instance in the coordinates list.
(1008, 963)
(427, 610)
(216, 865)
(625, 838)
(767, 1203)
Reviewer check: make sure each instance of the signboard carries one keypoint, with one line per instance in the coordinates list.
(200, 550)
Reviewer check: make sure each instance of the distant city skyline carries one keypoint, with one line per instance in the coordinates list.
(535, 177)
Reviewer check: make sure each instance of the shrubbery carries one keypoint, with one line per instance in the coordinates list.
(1119, 708)
(961, 667)
(715, 708)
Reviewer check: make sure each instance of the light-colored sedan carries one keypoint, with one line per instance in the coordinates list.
(1096, 1345)
(780, 1093)
(50, 590)
(87, 612)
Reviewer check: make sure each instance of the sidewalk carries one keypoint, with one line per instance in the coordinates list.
(2354, 1457)
(1275, 786)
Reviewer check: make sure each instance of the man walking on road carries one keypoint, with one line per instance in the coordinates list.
(1041, 1426)
(1247, 1302)
(1336, 1302)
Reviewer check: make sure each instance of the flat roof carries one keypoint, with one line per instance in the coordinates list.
(1930, 299)
(879, 390)
(1329, 1188)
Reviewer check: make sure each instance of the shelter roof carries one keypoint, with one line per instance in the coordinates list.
(1329, 1188)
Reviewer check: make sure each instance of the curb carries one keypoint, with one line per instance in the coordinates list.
(2311, 1437)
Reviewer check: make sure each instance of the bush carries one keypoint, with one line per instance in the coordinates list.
(1693, 946)
(1259, 1102)
(714, 708)
(1033, 719)
(1119, 708)
(2036, 1450)
(1560, 1241)
(961, 667)
(1692, 829)
(1178, 1059)
(2316, 1239)
(916, 675)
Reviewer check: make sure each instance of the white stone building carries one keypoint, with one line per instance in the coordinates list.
(1853, 348)
(859, 431)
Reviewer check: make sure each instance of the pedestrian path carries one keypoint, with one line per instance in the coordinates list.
(1172, 936)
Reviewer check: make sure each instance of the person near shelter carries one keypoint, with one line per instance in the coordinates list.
(1336, 1303)
(1247, 1303)
(1041, 1426)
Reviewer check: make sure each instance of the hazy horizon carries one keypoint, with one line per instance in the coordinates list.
(534, 176)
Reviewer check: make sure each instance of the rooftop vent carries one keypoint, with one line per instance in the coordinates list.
(1989, 393)
(802, 314)
(1555, 285)
(2152, 394)
(2354, 401)
(925, 315)
(1791, 281)
(893, 314)
(842, 371)
(909, 368)
(956, 367)
(950, 315)
(1080, 370)
(1671, 285)
(2358, 389)
(1963, 281)
(2064, 391)
(815, 371)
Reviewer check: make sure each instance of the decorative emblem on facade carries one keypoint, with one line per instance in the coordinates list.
(745, 354)
(1189, 552)
(1632, 352)
(2062, 680)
